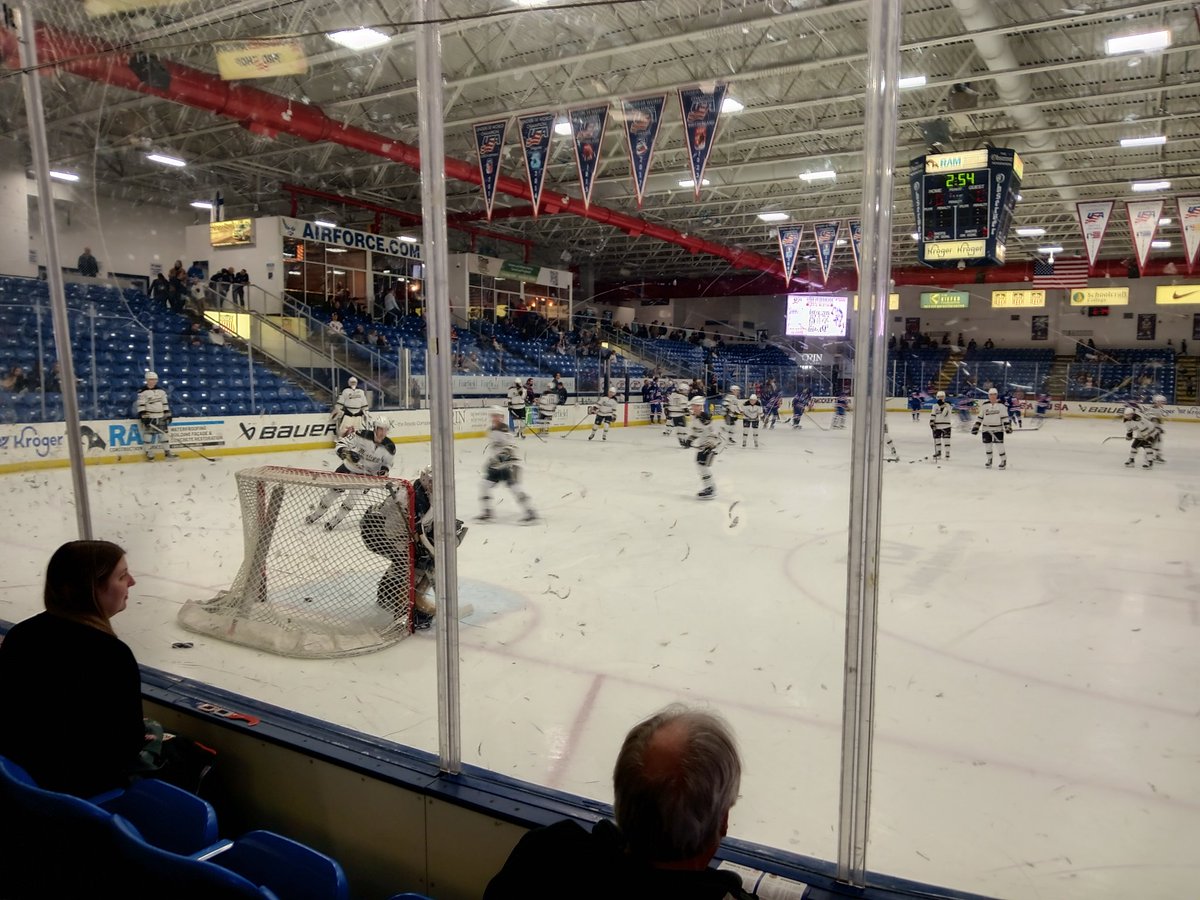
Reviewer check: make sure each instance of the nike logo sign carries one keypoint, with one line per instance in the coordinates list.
(1175, 295)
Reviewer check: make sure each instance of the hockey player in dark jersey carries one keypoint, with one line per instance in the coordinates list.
(801, 402)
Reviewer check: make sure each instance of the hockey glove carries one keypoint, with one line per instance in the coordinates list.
(383, 471)
(145, 420)
(1008, 428)
(975, 428)
(1129, 435)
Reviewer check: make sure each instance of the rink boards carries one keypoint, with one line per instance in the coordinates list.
(44, 444)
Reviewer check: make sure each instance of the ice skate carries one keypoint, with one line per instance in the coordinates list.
(604, 437)
(530, 516)
(592, 436)
(1129, 463)
(988, 464)
(311, 518)
(484, 516)
(150, 455)
(329, 526)
(169, 454)
(1148, 464)
(708, 493)
(1004, 464)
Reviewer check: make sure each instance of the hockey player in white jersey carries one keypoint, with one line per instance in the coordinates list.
(677, 404)
(366, 452)
(606, 413)
(1158, 415)
(516, 408)
(154, 412)
(752, 413)
(502, 465)
(350, 410)
(733, 408)
(546, 404)
(941, 423)
(1142, 433)
(993, 421)
(705, 438)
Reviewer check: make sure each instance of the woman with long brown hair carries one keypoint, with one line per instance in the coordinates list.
(72, 688)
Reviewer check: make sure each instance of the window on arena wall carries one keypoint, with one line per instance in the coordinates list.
(316, 271)
(405, 276)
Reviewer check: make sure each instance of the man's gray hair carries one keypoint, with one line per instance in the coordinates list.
(677, 811)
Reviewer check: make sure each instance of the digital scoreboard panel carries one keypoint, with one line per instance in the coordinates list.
(963, 203)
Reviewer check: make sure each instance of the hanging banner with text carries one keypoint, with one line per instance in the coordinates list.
(856, 241)
(587, 129)
(489, 142)
(238, 60)
(826, 234)
(1189, 224)
(700, 110)
(1143, 225)
(642, 120)
(1093, 217)
(1018, 299)
(789, 247)
(535, 134)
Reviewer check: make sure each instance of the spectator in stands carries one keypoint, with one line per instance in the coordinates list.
(892, 342)
(971, 346)
(216, 336)
(360, 334)
(54, 379)
(341, 298)
(15, 382)
(1183, 347)
(195, 273)
(460, 361)
(240, 280)
(946, 339)
(73, 688)
(560, 388)
(372, 337)
(674, 783)
(87, 265)
(194, 334)
(471, 363)
(959, 341)
(335, 324)
(381, 343)
(160, 289)
(391, 308)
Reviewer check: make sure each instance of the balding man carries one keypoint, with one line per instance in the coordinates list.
(675, 780)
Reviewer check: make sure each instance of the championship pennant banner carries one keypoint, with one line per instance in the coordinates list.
(1093, 222)
(856, 241)
(642, 120)
(1189, 224)
(237, 60)
(700, 110)
(587, 129)
(535, 134)
(789, 247)
(1143, 225)
(826, 234)
(489, 142)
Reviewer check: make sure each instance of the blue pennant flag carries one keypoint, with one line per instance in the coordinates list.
(587, 127)
(489, 142)
(789, 249)
(856, 240)
(536, 132)
(826, 234)
(643, 117)
(700, 110)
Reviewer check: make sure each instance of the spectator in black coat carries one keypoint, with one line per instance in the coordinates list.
(160, 289)
(87, 264)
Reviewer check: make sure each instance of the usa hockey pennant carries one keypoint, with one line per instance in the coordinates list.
(826, 234)
(587, 129)
(536, 131)
(642, 120)
(700, 110)
(856, 241)
(789, 249)
(1093, 222)
(489, 142)
(1189, 224)
(1143, 225)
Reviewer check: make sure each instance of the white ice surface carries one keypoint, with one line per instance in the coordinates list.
(1038, 731)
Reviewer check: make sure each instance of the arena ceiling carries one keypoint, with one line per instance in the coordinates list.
(1033, 75)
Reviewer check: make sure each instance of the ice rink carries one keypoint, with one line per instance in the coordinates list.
(1038, 731)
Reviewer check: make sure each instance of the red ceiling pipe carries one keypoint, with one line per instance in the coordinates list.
(258, 110)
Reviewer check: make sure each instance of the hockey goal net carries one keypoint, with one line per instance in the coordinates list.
(328, 569)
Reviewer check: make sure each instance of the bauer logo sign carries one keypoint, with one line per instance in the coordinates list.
(310, 429)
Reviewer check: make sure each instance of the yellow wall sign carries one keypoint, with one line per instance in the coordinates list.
(955, 250)
(945, 300)
(1177, 293)
(231, 233)
(1100, 297)
(1017, 299)
(269, 58)
(893, 301)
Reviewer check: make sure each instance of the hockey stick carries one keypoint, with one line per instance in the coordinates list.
(577, 424)
(1115, 437)
(814, 421)
(200, 453)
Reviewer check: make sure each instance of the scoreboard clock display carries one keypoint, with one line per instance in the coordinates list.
(963, 203)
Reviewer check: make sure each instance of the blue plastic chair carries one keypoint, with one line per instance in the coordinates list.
(289, 868)
(166, 816)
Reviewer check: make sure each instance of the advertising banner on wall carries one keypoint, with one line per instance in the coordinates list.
(1143, 225)
(1093, 217)
(700, 110)
(489, 142)
(536, 132)
(1189, 224)
(789, 248)
(1175, 294)
(945, 300)
(641, 120)
(1100, 297)
(587, 130)
(826, 234)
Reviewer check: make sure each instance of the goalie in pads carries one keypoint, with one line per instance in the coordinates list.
(367, 452)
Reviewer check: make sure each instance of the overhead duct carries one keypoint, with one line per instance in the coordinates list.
(263, 112)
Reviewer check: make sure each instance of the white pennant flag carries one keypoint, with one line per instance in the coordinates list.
(1093, 222)
(1189, 224)
(1143, 225)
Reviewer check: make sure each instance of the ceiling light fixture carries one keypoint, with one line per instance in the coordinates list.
(562, 127)
(912, 81)
(408, 239)
(165, 160)
(1165, 221)
(1137, 43)
(915, 236)
(64, 176)
(1152, 141)
(201, 204)
(730, 105)
(322, 223)
(1050, 250)
(1143, 186)
(359, 38)
(827, 175)
(1031, 232)
(1160, 245)
(774, 216)
(688, 182)
(335, 250)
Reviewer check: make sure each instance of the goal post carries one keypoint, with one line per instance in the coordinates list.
(328, 567)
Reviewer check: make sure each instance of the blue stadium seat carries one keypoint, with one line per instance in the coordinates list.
(166, 816)
(289, 868)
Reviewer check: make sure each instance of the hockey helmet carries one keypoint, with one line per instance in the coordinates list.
(383, 422)
(683, 386)
(352, 382)
(612, 391)
(992, 392)
(696, 401)
(941, 395)
(734, 389)
(151, 376)
(518, 383)
(1159, 400)
(1130, 412)
(753, 396)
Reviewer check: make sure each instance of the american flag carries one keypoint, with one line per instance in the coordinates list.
(1070, 273)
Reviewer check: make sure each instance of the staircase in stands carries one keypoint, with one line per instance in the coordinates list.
(1056, 381)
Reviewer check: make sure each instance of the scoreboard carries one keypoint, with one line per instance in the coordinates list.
(963, 203)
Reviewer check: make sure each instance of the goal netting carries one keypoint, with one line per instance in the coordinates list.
(328, 569)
